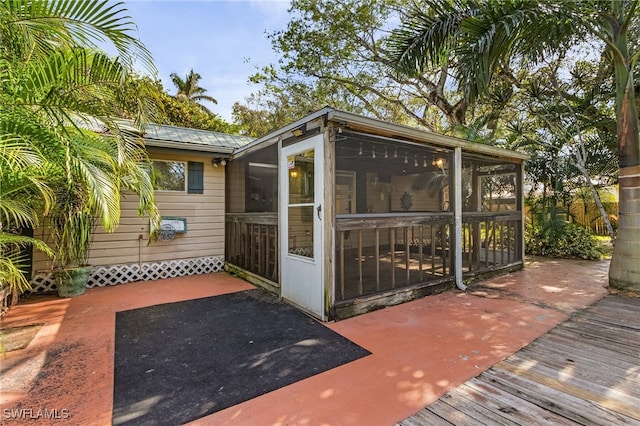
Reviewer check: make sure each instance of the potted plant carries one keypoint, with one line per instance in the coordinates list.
(71, 224)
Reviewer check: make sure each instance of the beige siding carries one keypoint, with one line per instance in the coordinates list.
(129, 243)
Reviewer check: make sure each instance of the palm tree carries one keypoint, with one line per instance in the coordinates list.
(484, 36)
(23, 192)
(190, 91)
(55, 79)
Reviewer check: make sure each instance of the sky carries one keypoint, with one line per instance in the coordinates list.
(222, 40)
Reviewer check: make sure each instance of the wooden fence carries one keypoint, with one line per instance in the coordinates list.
(589, 216)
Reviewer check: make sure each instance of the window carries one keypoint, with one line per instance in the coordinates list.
(169, 175)
(175, 175)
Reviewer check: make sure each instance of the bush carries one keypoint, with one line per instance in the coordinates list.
(568, 240)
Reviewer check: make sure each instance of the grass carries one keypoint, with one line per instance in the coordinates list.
(605, 243)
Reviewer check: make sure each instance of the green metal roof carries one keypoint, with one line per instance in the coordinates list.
(194, 138)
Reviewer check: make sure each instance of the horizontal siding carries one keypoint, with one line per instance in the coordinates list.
(134, 236)
(205, 225)
(160, 251)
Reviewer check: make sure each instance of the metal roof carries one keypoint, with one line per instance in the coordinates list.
(160, 135)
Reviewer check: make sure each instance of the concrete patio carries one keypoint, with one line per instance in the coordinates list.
(420, 349)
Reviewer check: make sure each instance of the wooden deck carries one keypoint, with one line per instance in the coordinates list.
(585, 371)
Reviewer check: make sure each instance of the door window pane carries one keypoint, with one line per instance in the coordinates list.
(301, 179)
(301, 230)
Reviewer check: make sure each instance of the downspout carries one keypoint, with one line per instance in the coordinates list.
(457, 216)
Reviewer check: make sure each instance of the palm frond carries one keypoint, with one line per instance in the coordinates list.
(428, 35)
(49, 24)
(505, 30)
(74, 81)
(24, 241)
(205, 98)
(13, 264)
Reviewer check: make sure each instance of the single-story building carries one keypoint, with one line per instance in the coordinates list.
(190, 181)
(337, 213)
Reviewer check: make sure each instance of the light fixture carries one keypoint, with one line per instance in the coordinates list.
(218, 162)
(386, 154)
(438, 162)
(395, 153)
(373, 153)
(415, 161)
(293, 174)
(300, 130)
(360, 152)
(424, 164)
(405, 158)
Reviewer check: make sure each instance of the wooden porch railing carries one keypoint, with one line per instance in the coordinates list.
(252, 243)
(376, 253)
(382, 252)
(490, 240)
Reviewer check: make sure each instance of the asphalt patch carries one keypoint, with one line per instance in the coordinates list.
(178, 362)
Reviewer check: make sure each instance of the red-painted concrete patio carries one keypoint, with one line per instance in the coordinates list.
(419, 349)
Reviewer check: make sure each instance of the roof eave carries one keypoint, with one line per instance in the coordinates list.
(267, 138)
(423, 135)
(210, 149)
(396, 130)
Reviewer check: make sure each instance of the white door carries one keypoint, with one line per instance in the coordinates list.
(301, 255)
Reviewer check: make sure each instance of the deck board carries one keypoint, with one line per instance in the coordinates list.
(563, 361)
(573, 408)
(458, 409)
(585, 371)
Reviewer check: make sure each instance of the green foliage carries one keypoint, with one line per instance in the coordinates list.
(71, 235)
(264, 114)
(337, 54)
(190, 91)
(549, 233)
(13, 263)
(528, 32)
(55, 80)
(568, 241)
(189, 114)
(141, 93)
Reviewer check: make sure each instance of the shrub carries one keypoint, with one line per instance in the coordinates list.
(568, 240)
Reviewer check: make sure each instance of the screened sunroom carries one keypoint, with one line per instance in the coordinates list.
(341, 214)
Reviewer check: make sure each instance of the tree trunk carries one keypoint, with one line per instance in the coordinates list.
(624, 272)
(603, 215)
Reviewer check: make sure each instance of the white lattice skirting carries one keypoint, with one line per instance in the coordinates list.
(43, 281)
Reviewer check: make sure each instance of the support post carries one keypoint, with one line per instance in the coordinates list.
(457, 215)
(520, 206)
